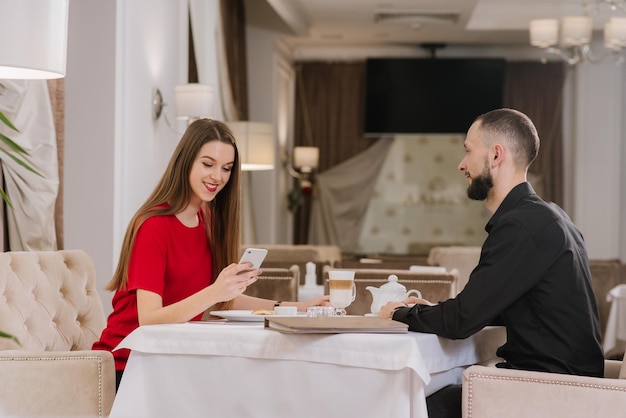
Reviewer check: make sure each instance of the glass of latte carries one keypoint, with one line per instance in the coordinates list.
(342, 290)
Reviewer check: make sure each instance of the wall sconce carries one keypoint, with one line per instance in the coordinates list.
(35, 39)
(255, 143)
(305, 163)
(193, 101)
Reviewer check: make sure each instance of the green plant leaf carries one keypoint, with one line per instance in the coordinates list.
(21, 162)
(6, 198)
(7, 122)
(14, 146)
(9, 336)
(14, 151)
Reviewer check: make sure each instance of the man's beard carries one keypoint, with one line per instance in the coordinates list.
(479, 188)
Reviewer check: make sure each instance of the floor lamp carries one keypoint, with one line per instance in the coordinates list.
(255, 142)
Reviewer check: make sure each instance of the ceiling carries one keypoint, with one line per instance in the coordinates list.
(411, 22)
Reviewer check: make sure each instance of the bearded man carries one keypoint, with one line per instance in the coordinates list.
(533, 276)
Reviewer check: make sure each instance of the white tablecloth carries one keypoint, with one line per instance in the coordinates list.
(243, 370)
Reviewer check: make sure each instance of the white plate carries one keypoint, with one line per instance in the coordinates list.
(244, 316)
(235, 315)
(370, 314)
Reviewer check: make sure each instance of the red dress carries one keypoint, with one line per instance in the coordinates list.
(169, 259)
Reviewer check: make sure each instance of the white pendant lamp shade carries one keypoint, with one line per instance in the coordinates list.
(615, 33)
(544, 32)
(194, 101)
(255, 142)
(576, 30)
(34, 38)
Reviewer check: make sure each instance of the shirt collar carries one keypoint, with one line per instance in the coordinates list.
(510, 201)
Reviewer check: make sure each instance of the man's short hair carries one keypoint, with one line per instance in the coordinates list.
(514, 128)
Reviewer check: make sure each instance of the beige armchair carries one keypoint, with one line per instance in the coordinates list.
(462, 258)
(286, 255)
(276, 284)
(51, 305)
(492, 392)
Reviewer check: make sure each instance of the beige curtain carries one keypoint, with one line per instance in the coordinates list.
(57, 100)
(234, 41)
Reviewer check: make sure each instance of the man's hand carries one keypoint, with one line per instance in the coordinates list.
(387, 310)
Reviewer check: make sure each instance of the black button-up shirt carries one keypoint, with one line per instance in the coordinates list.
(533, 277)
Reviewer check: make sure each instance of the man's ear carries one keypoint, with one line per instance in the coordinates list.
(497, 155)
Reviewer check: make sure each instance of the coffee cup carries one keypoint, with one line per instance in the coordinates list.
(285, 310)
(342, 290)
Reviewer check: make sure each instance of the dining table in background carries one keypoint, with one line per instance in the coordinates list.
(241, 369)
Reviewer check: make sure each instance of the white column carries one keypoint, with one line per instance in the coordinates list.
(598, 157)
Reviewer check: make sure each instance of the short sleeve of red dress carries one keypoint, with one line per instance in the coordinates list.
(170, 259)
(146, 269)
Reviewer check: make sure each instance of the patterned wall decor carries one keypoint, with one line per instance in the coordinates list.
(420, 199)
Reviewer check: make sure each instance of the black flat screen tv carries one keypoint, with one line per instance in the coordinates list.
(430, 95)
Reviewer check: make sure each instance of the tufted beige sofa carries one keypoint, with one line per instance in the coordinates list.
(493, 392)
(50, 303)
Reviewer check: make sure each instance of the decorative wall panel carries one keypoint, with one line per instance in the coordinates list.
(420, 199)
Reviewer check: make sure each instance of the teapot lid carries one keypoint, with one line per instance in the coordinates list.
(392, 284)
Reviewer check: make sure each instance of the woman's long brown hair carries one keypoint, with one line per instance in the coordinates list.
(222, 215)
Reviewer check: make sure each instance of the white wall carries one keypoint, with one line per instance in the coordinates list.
(90, 132)
(598, 157)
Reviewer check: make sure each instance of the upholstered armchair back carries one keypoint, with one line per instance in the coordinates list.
(285, 255)
(49, 301)
(462, 258)
(279, 284)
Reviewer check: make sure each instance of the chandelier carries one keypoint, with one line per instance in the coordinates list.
(576, 32)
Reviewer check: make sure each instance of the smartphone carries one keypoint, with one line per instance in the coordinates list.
(254, 256)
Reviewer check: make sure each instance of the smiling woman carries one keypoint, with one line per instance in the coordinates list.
(178, 258)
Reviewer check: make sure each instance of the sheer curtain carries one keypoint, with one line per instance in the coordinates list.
(344, 192)
(31, 221)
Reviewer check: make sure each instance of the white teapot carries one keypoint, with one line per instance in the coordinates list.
(392, 291)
